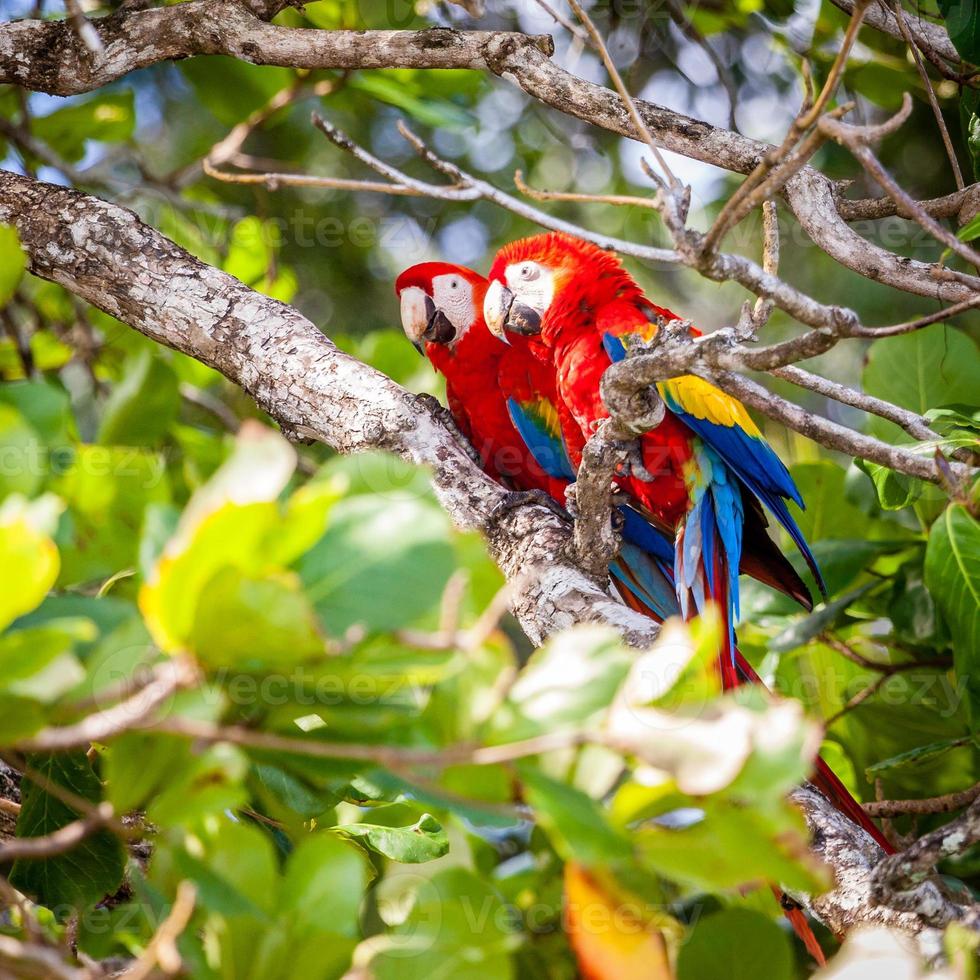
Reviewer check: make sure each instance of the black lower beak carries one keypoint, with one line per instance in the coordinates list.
(439, 329)
(523, 320)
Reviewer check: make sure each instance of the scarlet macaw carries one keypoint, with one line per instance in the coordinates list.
(503, 400)
(713, 469)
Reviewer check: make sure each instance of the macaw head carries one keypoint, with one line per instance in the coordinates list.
(535, 281)
(440, 303)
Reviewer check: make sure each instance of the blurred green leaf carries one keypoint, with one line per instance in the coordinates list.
(143, 405)
(952, 571)
(13, 262)
(919, 755)
(746, 942)
(925, 369)
(29, 559)
(394, 546)
(457, 927)
(245, 621)
(106, 117)
(963, 23)
(577, 822)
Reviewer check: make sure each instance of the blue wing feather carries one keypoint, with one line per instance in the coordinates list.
(547, 448)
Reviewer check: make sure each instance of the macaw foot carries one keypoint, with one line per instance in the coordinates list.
(632, 464)
(519, 498)
(433, 406)
(440, 413)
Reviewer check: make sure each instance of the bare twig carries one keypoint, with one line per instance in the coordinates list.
(58, 841)
(136, 710)
(927, 85)
(856, 139)
(161, 951)
(87, 34)
(934, 804)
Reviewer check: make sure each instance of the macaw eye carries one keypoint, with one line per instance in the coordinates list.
(528, 272)
(453, 283)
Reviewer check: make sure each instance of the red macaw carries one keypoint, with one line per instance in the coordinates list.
(712, 466)
(503, 400)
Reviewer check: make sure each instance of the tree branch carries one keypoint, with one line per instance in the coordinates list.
(47, 56)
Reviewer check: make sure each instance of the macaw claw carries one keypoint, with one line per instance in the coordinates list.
(520, 498)
(632, 464)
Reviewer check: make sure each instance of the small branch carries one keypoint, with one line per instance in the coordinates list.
(87, 34)
(44, 958)
(856, 139)
(901, 880)
(934, 804)
(909, 326)
(927, 85)
(871, 209)
(58, 841)
(827, 433)
(914, 424)
(161, 951)
(168, 678)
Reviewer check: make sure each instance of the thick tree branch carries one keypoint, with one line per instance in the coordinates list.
(106, 255)
(47, 56)
(903, 880)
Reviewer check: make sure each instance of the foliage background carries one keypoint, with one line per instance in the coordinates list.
(293, 594)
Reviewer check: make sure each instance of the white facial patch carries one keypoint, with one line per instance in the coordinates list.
(532, 284)
(454, 296)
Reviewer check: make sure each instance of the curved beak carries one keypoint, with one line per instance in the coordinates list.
(417, 309)
(496, 309)
(502, 312)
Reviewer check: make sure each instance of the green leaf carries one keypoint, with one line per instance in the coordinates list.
(46, 406)
(828, 513)
(90, 870)
(383, 562)
(953, 577)
(575, 821)
(895, 490)
(395, 87)
(143, 404)
(246, 621)
(921, 370)
(569, 680)
(746, 942)
(920, 755)
(971, 230)
(13, 262)
(732, 846)
(28, 557)
(963, 24)
(107, 489)
(323, 885)
(457, 927)
(109, 118)
(39, 663)
(425, 840)
(231, 89)
(22, 469)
